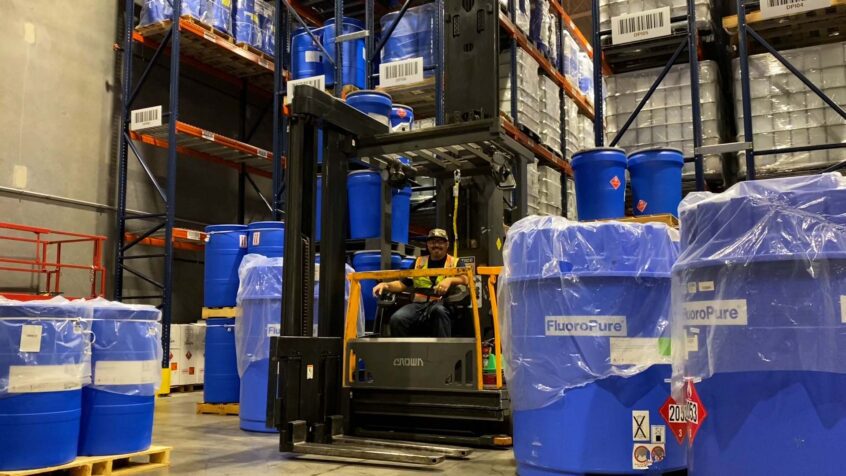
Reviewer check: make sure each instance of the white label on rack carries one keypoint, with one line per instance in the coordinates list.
(208, 135)
(640, 26)
(313, 57)
(264, 63)
(780, 8)
(45, 378)
(263, 153)
(408, 71)
(129, 372)
(210, 36)
(30, 338)
(318, 82)
(145, 118)
(193, 235)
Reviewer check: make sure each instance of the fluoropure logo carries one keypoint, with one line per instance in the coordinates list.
(408, 362)
(729, 312)
(586, 326)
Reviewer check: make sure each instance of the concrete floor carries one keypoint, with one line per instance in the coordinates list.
(212, 444)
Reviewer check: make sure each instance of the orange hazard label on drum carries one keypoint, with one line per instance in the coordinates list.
(615, 182)
(641, 205)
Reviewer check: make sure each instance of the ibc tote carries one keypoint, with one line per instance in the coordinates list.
(759, 335)
(584, 310)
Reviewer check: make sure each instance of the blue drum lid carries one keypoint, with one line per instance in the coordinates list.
(652, 154)
(589, 154)
(224, 228)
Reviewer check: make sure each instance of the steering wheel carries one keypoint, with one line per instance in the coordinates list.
(456, 293)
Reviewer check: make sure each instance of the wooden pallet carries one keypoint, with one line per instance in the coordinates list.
(252, 49)
(163, 26)
(156, 457)
(191, 387)
(666, 219)
(218, 408)
(223, 312)
(794, 31)
(418, 96)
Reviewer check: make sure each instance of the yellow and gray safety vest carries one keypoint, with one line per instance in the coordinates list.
(425, 281)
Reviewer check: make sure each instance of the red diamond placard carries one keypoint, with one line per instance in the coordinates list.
(674, 415)
(641, 205)
(696, 413)
(615, 182)
(188, 355)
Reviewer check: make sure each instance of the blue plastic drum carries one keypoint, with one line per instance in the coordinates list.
(354, 69)
(375, 104)
(225, 247)
(266, 238)
(426, 18)
(656, 176)
(400, 215)
(39, 419)
(221, 382)
(260, 319)
(307, 58)
(573, 288)
(267, 30)
(773, 381)
(408, 262)
(245, 23)
(403, 41)
(401, 118)
(600, 176)
(364, 191)
(117, 408)
(371, 261)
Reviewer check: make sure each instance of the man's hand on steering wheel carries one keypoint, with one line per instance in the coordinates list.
(380, 288)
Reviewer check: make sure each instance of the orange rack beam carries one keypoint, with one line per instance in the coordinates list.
(205, 145)
(183, 239)
(539, 150)
(577, 96)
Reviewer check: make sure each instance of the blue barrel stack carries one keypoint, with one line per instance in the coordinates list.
(245, 23)
(580, 298)
(226, 245)
(117, 408)
(353, 71)
(221, 383)
(761, 278)
(42, 369)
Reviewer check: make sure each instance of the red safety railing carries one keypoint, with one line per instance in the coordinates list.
(47, 247)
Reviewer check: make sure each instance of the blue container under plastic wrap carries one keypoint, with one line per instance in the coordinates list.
(260, 299)
(218, 14)
(42, 370)
(225, 247)
(266, 238)
(245, 23)
(267, 28)
(600, 176)
(402, 43)
(656, 176)
(155, 11)
(306, 57)
(117, 408)
(762, 282)
(353, 69)
(371, 261)
(581, 295)
(221, 382)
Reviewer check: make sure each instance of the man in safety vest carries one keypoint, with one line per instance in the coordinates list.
(427, 316)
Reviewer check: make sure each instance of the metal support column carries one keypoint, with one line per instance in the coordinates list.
(280, 122)
(599, 115)
(693, 55)
(123, 146)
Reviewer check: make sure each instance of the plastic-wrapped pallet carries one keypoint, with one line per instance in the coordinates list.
(570, 61)
(550, 114)
(245, 23)
(572, 141)
(549, 186)
(785, 113)
(571, 212)
(586, 76)
(155, 11)
(523, 13)
(528, 101)
(666, 118)
(533, 194)
(267, 29)
(609, 9)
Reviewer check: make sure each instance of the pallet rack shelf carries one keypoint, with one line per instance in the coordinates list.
(183, 239)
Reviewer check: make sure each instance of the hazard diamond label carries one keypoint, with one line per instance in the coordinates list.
(674, 415)
(696, 413)
(615, 182)
(188, 355)
(641, 205)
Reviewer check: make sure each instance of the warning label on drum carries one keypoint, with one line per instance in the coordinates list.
(645, 455)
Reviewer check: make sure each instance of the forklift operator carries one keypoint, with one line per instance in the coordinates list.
(427, 316)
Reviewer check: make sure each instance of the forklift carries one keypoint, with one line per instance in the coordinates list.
(378, 397)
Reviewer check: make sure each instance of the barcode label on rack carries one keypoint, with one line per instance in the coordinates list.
(145, 118)
(264, 63)
(208, 135)
(193, 235)
(780, 8)
(408, 71)
(318, 82)
(641, 26)
(263, 154)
